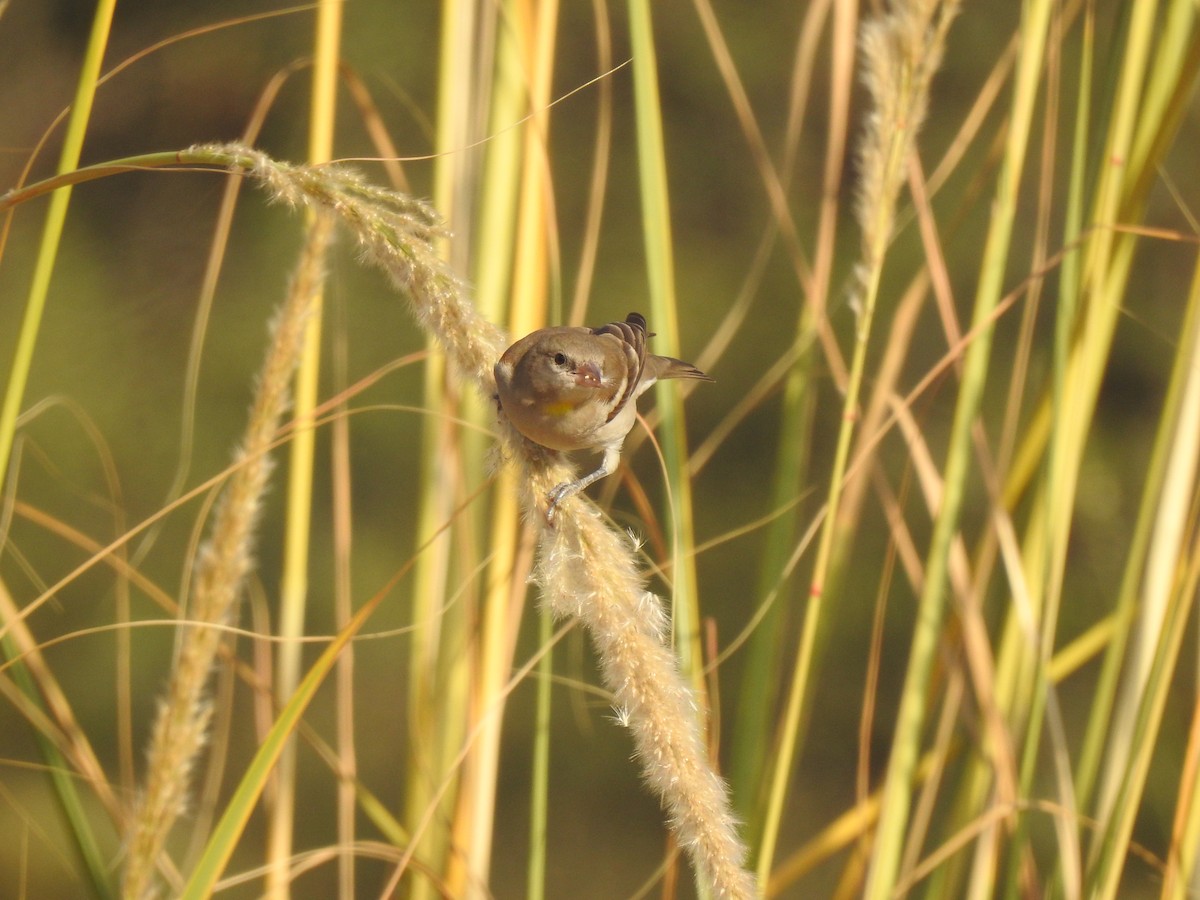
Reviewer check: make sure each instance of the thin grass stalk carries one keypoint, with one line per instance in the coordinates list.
(539, 781)
(488, 531)
(590, 235)
(56, 216)
(293, 590)
(716, 851)
(505, 599)
(656, 236)
(497, 300)
(346, 764)
(180, 728)
(500, 182)
(902, 50)
(890, 836)
(1028, 698)
(438, 683)
(1104, 284)
(434, 728)
(1116, 845)
(83, 839)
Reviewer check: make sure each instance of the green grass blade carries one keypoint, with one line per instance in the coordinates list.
(64, 787)
(203, 879)
(664, 319)
(66, 790)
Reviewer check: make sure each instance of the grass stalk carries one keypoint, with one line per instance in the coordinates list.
(520, 239)
(56, 217)
(539, 781)
(504, 600)
(293, 590)
(667, 718)
(343, 596)
(656, 235)
(439, 681)
(1162, 609)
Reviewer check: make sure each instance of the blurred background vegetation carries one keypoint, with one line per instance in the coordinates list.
(110, 376)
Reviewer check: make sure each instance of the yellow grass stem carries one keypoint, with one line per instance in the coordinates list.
(293, 591)
(667, 719)
(1163, 605)
(504, 599)
(346, 765)
(438, 680)
(1176, 66)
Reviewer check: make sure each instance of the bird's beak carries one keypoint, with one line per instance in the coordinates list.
(588, 375)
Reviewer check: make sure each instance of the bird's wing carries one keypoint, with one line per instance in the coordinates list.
(632, 335)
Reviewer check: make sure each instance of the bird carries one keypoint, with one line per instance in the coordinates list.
(576, 388)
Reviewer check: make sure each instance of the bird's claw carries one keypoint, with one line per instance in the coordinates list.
(558, 495)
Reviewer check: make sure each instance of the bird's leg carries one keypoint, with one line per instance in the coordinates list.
(608, 465)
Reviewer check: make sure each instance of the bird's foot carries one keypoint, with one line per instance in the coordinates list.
(559, 494)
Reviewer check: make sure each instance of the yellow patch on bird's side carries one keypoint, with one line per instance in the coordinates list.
(558, 409)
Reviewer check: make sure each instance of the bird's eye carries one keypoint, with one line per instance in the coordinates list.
(560, 359)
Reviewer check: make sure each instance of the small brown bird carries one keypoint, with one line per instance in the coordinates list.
(577, 388)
